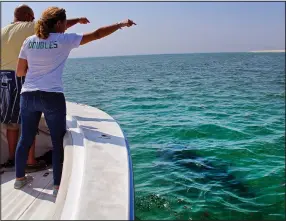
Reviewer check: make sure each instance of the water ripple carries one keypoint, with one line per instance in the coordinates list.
(207, 131)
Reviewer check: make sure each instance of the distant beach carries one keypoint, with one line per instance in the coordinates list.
(267, 51)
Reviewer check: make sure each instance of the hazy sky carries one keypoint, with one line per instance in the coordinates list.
(173, 27)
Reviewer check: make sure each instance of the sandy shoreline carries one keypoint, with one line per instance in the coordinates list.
(268, 51)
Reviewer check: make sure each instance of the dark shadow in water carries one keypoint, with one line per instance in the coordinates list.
(212, 170)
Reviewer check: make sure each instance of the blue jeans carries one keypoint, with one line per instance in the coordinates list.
(32, 105)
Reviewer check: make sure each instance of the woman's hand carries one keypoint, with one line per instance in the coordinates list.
(73, 21)
(127, 23)
(83, 20)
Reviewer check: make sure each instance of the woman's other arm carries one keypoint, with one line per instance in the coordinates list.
(22, 67)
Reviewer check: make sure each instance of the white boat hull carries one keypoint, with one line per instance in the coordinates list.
(97, 179)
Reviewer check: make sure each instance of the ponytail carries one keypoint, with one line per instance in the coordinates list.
(42, 29)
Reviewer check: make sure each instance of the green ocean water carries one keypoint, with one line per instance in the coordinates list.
(206, 131)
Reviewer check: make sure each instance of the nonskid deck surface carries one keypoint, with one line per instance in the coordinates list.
(34, 201)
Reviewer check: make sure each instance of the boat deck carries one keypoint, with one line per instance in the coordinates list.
(35, 200)
(97, 179)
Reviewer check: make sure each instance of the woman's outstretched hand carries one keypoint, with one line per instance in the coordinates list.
(127, 23)
(105, 31)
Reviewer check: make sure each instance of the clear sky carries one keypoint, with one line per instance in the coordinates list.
(173, 27)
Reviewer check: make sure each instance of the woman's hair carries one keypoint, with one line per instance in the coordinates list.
(47, 22)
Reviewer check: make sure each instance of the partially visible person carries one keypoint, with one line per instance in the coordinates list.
(12, 38)
(41, 60)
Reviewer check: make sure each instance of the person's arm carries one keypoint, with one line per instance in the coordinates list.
(104, 31)
(72, 22)
(22, 67)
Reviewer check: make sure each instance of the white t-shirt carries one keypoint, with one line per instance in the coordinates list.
(46, 59)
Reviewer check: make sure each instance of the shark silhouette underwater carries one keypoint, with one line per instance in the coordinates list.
(210, 169)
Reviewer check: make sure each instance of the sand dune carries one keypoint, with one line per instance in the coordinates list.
(269, 51)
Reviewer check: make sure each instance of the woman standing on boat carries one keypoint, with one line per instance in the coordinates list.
(42, 60)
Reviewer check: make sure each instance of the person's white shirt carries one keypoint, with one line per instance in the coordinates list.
(46, 59)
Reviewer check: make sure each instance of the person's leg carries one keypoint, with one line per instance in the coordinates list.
(11, 108)
(7, 94)
(12, 139)
(30, 119)
(33, 164)
(55, 115)
(12, 134)
(31, 157)
(11, 160)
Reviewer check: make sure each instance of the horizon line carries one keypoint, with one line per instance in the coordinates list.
(258, 51)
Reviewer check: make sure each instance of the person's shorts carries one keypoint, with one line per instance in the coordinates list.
(10, 88)
(11, 126)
